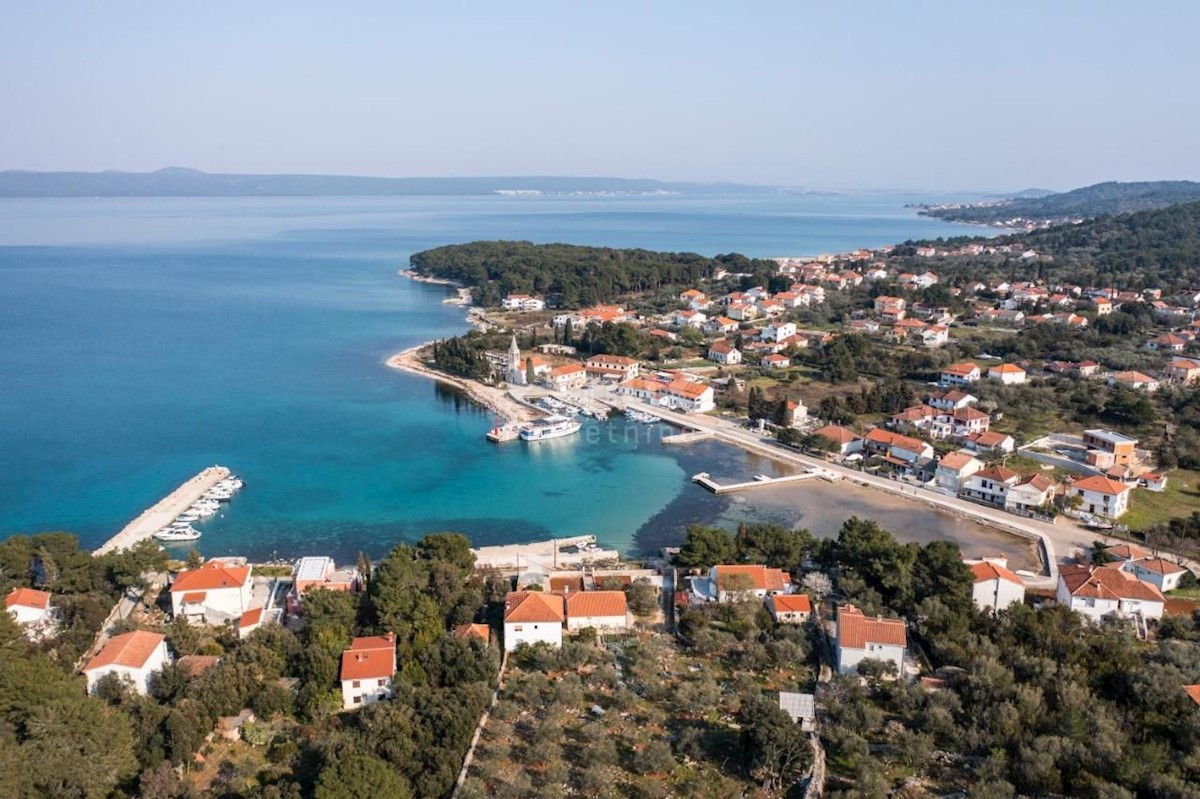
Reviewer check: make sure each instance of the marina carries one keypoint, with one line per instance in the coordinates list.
(167, 520)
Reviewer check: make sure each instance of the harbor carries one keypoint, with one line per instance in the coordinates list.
(164, 513)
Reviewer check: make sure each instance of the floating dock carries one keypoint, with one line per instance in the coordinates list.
(165, 511)
(705, 479)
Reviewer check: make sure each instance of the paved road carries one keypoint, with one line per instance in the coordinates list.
(1060, 540)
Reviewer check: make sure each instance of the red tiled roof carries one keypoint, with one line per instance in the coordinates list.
(1193, 691)
(997, 473)
(761, 578)
(596, 603)
(1160, 566)
(27, 598)
(987, 571)
(1100, 485)
(960, 369)
(855, 630)
(1039, 482)
(837, 434)
(193, 597)
(480, 631)
(968, 414)
(195, 665)
(1007, 369)
(566, 585)
(792, 603)
(990, 438)
(211, 576)
(131, 650)
(1127, 552)
(566, 369)
(1089, 582)
(251, 617)
(956, 460)
(533, 606)
(370, 658)
(615, 360)
(722, 347)
(881, 436)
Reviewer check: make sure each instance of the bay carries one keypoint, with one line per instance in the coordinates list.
(143, 339)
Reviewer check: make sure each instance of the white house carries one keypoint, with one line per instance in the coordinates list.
(1099, 592)
(1029, 494)
(780, 331)
(367, 670)
(860, 638)
(690, 318)
(523, 303)
(604, 610)
(844, 439)
(1007, 373)
(1101, 496)
(567, 376)
(1162, 574)
(28, 606)
(688, 396)
(789, 608)
(724, 353)
(953, 469)
(991, 485)
(960, 374)
(532, 617)
(615, 366)
(776, 361)
(216, 592)
(995, 586)
(134, 657)
(725, 582)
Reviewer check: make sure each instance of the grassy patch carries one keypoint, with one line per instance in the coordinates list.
(1180, 499)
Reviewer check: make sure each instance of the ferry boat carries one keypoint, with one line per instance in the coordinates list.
(185, 533)
(550, 427)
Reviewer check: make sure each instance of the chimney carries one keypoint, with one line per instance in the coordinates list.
(391, 638)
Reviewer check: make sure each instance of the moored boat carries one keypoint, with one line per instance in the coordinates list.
(550, 427)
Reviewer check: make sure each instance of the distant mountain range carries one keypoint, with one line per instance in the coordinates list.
(181, 182)
(1030, 208)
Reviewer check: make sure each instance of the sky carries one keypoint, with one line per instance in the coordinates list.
(858, 95)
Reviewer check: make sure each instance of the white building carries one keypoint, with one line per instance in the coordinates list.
(724, 353)
(532, 617)
(960, 374)
(1162, 574)
(789, 608)
(687, 396)
(134, 657)
(565, 377)
(613, 366)
(216, 592)
(28, 606)
(860, 638)
(991, 485)
(1029, 495)
(726, 582)
(367, 670)
(954, 469)
(604, 610)
(523, 303)
(1101, 496)
(1099, 592)
(995, 586)
(780, 331)
(1007, 373)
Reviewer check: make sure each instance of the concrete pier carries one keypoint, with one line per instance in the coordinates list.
(706, 480)
(543, 555)
(688, 438)
(164, 511)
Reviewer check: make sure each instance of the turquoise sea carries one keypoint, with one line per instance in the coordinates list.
(143, 339)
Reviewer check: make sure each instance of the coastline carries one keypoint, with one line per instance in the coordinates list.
(490, 397)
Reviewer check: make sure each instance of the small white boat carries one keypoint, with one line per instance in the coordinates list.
(186, 533)
(188, 517)
(550, 427)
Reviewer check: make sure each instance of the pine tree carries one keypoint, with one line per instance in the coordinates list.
(530, 375)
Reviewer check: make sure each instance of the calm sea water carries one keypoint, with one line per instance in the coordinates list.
(141, 340)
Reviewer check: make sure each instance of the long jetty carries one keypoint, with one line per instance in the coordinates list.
(705, 479)
(165, 511)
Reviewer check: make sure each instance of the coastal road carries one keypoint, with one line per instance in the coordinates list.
(1059, 540)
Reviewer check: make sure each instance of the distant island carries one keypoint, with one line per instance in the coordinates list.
(1033, 208)
(182, 182)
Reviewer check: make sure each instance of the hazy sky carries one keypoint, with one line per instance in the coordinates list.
(942, 95)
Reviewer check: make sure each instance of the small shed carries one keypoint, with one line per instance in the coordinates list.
(801, 707)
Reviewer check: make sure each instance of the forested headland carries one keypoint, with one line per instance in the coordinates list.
(1090, 201)
(572, 276)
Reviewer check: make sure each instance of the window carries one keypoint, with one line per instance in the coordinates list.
(518, 628)
(382, 683)
(356, 684)
(358, 700)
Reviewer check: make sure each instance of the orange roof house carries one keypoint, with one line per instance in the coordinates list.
(597, 609)
(860, 638)
(27, 598)
(533, 617)
(789, 607)
(367, 670)
(133, 657)
(468, 631)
